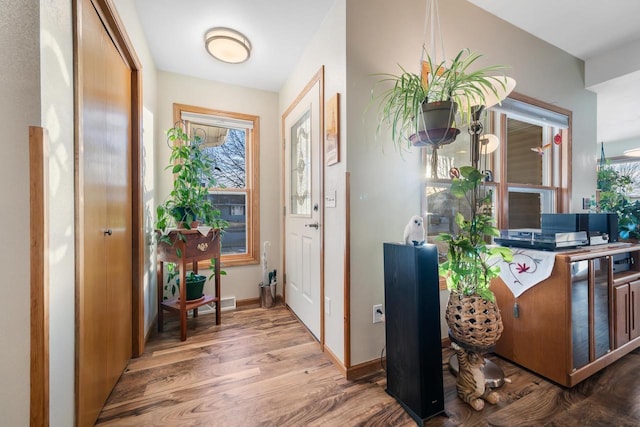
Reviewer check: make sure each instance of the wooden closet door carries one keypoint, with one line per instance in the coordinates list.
(104, 236)
(118, 244)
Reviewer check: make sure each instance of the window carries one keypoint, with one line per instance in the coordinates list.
(535, 146)
(528, 174)
(231, 139)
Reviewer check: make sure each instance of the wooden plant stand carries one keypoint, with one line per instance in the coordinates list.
(196, 248)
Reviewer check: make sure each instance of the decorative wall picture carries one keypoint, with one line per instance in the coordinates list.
(332, 131)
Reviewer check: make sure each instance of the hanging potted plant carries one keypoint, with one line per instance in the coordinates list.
(422, 110)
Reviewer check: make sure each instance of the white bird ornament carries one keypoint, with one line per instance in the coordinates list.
(414, 231)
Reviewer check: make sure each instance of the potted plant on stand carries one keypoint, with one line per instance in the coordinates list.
(421, 109)
(188, 205)
(472, 315)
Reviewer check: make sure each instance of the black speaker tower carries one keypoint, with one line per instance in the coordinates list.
(412, 322)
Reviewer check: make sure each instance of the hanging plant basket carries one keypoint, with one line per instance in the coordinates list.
(473, 320)
(434, 137)
(435, 124)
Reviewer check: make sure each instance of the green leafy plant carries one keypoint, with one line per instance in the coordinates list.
(468, 268)
(614, 188)
(400, 104)
(193, 176)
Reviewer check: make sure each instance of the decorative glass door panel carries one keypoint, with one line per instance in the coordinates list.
(300, 175)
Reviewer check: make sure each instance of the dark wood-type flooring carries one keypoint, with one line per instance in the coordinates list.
(262, 368)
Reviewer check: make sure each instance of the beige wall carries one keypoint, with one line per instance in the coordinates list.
(242, 281)
(20, 108)
(57, 117)
(385, 185)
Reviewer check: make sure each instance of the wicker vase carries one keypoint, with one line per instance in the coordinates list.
(473, 320)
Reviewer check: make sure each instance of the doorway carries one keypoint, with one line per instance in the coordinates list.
(302, 129)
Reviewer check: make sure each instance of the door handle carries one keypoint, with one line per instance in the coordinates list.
(313, 225)
(108, 232)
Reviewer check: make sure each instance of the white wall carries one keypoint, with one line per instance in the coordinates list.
(20, 108)
(385, 186)
(57, 117)
(328, 48)
(241, 281)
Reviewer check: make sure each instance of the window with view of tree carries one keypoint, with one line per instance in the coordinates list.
(231, 140)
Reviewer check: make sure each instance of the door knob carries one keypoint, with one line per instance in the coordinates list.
(108, 232)
(313, 225)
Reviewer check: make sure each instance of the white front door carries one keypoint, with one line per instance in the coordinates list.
(303, 138)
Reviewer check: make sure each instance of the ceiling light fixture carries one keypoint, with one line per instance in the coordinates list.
(227, 45)
(634, 152)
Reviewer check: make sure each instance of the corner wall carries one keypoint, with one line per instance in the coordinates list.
(19, 109)
(386, 186)
(57, 109)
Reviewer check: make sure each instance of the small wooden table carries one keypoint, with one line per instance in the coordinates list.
(197, 247)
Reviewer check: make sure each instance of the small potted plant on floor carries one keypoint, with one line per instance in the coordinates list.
(421, 110)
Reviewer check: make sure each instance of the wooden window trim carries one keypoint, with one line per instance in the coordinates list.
(252, 188)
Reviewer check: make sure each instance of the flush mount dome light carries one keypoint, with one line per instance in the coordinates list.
(227, 45)
(634, 152)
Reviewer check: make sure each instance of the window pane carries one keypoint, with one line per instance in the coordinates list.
(441, 208)
(233, 209)
(228, 149)
(524, 166)
(524, 210)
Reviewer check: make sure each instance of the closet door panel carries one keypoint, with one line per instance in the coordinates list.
(118, 248)
(104, 211)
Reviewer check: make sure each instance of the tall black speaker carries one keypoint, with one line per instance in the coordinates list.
(412, 322)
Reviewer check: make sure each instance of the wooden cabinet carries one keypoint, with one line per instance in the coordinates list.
(579, 320)
(626, 312)
(190, 249)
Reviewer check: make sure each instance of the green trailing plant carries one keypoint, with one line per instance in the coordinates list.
(188, 201)
(470, 262)
(402, 102)
(614, 187)
(193, 174)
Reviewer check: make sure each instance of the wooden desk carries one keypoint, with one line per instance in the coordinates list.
(196, 248)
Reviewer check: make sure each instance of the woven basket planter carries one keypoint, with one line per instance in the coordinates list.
(473, 320)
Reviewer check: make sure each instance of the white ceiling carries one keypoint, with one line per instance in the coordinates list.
(586, 29)
(279, 30)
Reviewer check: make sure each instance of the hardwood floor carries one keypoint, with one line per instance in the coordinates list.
(260, 367)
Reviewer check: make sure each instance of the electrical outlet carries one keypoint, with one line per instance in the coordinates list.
(377, 313)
